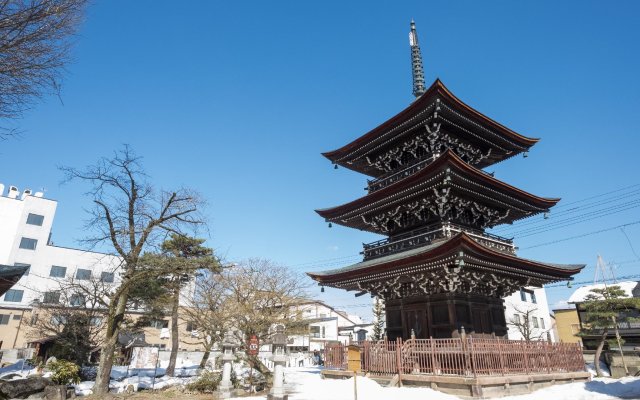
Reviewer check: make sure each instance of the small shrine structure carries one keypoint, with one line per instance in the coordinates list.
(438, 269)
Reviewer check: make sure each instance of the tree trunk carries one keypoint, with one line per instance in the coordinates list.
(174, 331)
(596, 358)
(205, 357)
(101, 387)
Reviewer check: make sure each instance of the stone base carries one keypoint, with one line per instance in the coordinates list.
(274, 397)
(222, 395)
(481, 386)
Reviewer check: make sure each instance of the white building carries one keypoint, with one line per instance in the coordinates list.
(326, 324)
(26, 220)
(532, 303)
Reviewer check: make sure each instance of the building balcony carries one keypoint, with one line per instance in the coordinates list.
(426, 235)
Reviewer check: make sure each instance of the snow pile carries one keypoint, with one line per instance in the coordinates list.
(18, 370)
(136, 382)
(307, 384)
(598, 389)
(603, 367)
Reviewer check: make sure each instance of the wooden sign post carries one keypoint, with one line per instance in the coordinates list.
(354, 364)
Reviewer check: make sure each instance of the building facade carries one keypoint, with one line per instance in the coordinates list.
(568, 325)
(26, 221)
(528, 306)
(327, 325)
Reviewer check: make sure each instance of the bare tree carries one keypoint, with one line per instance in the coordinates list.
(73, 314)
(209, 312)
(34, 47)
(248, 299)
(264, 294)
(527, 324)
(132, 217)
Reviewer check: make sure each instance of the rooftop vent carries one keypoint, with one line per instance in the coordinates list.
(27, 192)
(1, 189)
(13, 192)
(39, 194)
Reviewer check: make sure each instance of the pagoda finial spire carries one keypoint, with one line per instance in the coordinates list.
(416, 62)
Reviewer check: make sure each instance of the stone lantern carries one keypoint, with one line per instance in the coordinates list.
(228, 347)
(279, 357)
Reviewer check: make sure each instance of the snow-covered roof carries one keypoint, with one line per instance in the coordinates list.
(582, 292)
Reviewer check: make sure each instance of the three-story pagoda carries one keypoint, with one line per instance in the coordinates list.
(438, 270)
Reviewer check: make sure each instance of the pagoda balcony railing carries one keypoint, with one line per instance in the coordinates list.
(428, 234)
(397, 175)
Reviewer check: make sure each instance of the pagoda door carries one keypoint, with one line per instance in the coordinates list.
(416, 320)
(482, 321)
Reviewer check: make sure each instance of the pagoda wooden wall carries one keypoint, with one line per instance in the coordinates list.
(442, 316)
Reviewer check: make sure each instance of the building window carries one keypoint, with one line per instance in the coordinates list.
(95, 321)
(107, 277)
(35, 219)
(17, 317)
(58, 319)
(535, 322)
(28, 243)
(323, 331)
(57, 271)
(523, 295)
(51, 297)
(23, 265)
(13, 295)
(4, 319)
(83, 274)
(191, 326)
(542, 323)
(158, 323)
(533, 297)
(77, 300)
(314, 331)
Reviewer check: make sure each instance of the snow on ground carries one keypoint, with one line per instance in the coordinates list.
(137, 382)
(307, 384)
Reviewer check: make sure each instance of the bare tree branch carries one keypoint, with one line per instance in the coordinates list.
(34, 48)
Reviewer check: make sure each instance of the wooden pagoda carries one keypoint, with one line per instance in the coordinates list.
(438, 270)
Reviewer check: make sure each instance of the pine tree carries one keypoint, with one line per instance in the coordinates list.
(378, 320)
(603, 309)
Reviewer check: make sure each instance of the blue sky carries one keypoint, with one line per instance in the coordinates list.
(238, 100)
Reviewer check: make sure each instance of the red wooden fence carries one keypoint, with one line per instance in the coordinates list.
(468, 357)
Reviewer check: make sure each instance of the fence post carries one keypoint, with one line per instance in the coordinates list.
(433, 355)
(526, 356)
(473, 357)
(502, 366)
(399, 359)
(546, 348)
(365, 355)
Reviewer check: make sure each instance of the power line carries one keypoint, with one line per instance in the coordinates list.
(577, 220)
(622, 278)
(540, 223)
(581, 236)
(633, 250)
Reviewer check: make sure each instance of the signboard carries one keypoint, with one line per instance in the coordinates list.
(144, 357)
(253, 346)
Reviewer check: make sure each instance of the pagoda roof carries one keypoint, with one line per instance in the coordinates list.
(441, 253)
(503, 141)
(448, 170)
(9, 275)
